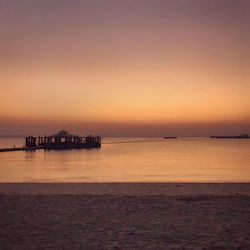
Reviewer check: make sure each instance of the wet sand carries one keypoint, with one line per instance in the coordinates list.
(125, 216)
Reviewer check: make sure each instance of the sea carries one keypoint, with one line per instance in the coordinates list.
(126, 159)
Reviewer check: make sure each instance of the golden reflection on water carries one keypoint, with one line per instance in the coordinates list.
(184, 159)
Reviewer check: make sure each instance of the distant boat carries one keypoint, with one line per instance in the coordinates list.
(170, 137)
(242, 136)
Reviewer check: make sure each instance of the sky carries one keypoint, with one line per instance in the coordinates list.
(125, 67)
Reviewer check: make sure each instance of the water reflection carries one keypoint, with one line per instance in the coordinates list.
(30, 155)
(185, 159)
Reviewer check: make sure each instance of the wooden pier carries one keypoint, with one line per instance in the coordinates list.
(62, 140)
(21, 149)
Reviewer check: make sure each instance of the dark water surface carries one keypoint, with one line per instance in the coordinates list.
(182, 159)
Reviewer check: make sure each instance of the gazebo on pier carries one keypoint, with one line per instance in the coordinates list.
(64, 140)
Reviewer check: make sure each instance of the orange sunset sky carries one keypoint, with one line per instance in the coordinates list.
(125, 67)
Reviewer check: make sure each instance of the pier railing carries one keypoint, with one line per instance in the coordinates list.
(63, 142)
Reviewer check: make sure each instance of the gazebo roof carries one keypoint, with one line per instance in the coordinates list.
(63, 133)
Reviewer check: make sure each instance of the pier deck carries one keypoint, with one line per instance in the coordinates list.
(20, 149)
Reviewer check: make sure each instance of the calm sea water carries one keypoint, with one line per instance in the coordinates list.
(182, 159)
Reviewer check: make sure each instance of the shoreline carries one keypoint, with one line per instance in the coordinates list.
(128, 188)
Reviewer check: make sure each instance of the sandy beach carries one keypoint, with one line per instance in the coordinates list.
(124, 215)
